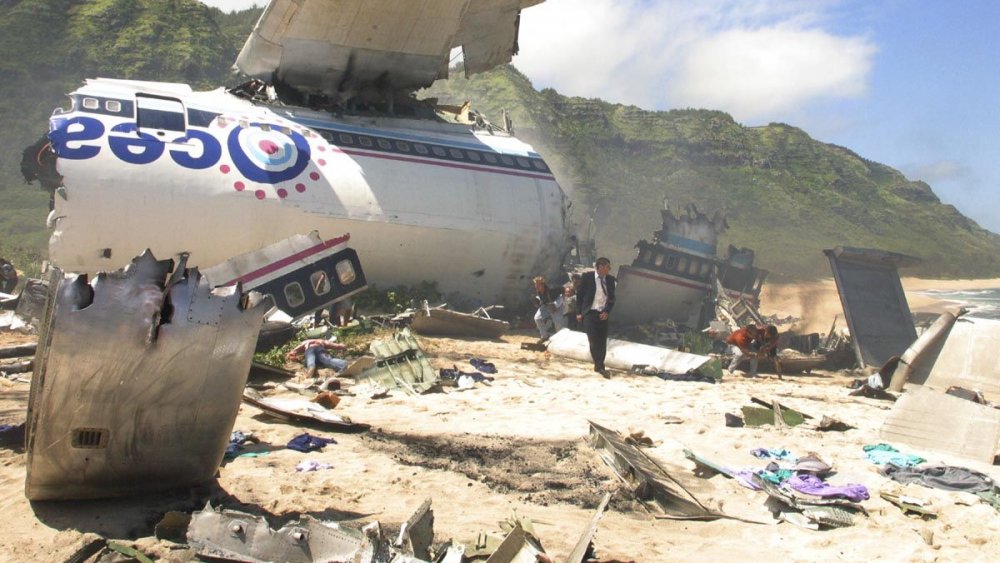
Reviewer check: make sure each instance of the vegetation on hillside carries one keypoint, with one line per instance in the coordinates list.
(787, 195)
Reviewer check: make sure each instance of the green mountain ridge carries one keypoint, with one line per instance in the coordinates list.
(786, 195)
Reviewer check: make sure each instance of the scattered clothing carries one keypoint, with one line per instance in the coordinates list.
(778, 453)
(483, 365)
(312, 465)
(881, 454)
(813, 485)
(454, 374)
(308, 443)
(944, 477)
(236, 441)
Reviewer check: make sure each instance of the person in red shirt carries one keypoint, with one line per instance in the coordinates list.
(741, 344)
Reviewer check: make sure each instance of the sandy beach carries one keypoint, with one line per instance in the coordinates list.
(517, 445)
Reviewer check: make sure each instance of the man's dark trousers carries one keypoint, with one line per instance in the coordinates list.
(597, 335)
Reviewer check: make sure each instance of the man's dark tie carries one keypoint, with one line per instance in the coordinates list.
(604, 286)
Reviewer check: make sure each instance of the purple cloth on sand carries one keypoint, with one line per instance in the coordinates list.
(813, 485)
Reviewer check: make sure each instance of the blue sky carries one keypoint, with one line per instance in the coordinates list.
(913, 84)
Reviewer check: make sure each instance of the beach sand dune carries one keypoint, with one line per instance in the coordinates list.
(517, 445)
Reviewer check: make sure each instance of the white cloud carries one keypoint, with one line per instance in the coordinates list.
(940, 171)
(757, 59)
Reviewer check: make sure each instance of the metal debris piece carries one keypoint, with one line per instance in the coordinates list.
(968, 358)
(417, 534)
(659, 492)
(234, 535)
(443, 322)
(153, 369)
(933, 420)
(828, 424)
(518, 547)
(584, 544)
(915, 364)
(909, 505)
(300, 410)
(623, 355)
(874, 302)
(400, 363)
(759, 416)
(18, 350)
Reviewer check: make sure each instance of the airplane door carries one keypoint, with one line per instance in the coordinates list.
(159, 116)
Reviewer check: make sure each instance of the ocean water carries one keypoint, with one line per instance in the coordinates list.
(982, 303)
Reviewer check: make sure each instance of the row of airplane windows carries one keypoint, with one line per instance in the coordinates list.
(421, 149)
(676, 263)
(374, 143)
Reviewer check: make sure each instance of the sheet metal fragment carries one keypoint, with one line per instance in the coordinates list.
(137, 370)
(652, 486)
(400, 363)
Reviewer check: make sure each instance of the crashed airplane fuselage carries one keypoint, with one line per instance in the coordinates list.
(158, 166)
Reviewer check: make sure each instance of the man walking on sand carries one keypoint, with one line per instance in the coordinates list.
(594, 302)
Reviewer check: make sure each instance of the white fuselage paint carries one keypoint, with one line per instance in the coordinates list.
(479, 214)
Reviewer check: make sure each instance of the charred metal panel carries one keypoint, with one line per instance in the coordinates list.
(874, 303)
(134, 390)
(623, 354)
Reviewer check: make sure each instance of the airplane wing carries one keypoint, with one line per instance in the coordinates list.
(341, 47)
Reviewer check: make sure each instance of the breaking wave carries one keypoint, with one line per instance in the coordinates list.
(983, 303)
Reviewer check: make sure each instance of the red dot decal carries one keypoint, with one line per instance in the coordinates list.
(321, 162)
(270, 147)
(260, 194)
(300, 188)
(321, 148)
(314, 175)
(282, 193)
(240, 186)
(224, 169)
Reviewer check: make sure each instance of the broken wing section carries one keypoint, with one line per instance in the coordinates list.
(338, 48)
(138, 380)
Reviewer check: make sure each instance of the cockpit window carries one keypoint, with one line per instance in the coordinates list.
(154, 112)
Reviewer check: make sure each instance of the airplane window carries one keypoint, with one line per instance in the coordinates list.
(705, 268)
(403, 146)
(113, 106)
(91, 103)
(507, 160)
(421, 149)
(682, 266)
(540, 165)
(326, 135)
(523, 162)
(320, 283)
(244, 124)
(473, 156)
(346, 139)
(671, 262)
(455, 153)
(438, 151)
(365, 141)
(345, 272)
(491, 158)
(294, 294)
(159, 113)
(659, 260)
(383, 144)
(265, 127)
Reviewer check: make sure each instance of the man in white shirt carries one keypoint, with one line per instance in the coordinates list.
(594, 302)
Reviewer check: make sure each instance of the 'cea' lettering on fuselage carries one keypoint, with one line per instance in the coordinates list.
(72, 139)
